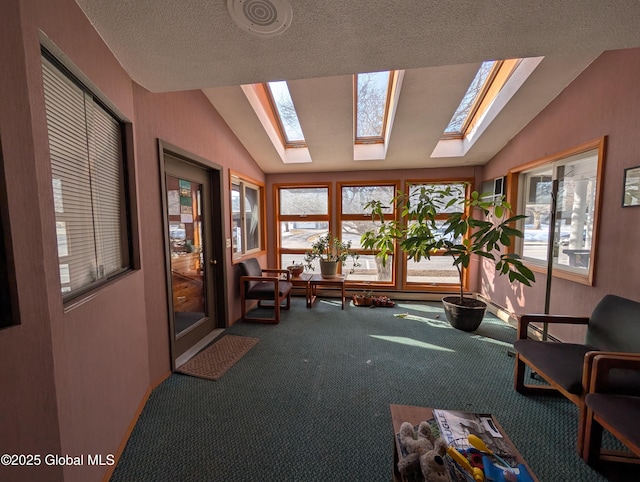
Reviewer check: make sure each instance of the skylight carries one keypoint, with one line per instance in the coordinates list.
(471, 100)
(372, 105)
(493, 86)
(286, 114)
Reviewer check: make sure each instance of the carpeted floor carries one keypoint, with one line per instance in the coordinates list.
(310, 401)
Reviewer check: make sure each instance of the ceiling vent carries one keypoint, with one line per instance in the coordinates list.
(263, 18)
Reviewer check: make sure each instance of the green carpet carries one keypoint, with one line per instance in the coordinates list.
(310, 402)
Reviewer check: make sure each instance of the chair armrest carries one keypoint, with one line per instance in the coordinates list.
(525, 320)
(603, 362)
(272, 279)
(285, 272)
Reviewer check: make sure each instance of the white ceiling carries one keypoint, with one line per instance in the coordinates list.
(169, 45)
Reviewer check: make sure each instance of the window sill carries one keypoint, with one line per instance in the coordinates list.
(563, 273)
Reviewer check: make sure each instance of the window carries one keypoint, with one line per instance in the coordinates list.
(573, 179)
(88, 181)
(303, 216)
(247, 234)
(373, 93)
(489, 80)
(354, 222)
(439, 270)
(288, 122)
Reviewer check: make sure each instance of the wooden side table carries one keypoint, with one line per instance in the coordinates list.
(302, 281)
(330, 283)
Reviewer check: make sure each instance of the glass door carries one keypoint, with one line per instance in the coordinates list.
(191, 262)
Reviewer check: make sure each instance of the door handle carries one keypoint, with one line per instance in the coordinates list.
(213, 262)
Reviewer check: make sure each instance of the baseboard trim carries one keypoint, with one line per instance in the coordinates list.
(534, 331)
(132, 425)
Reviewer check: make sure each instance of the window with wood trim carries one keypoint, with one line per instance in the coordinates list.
(88, 179)
(439, 270)
(247, 217)
(372, 98)
(354, 221)
(485, 86)
(285, 114)
(303, 214)
(574, 180)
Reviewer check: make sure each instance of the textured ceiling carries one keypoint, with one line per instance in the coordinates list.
(168, 45)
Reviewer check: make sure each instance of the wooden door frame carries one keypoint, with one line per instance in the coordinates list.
(218, 226)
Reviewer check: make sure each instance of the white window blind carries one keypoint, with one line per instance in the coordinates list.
(85, 143)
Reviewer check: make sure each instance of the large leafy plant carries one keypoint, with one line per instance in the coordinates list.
(440, 218)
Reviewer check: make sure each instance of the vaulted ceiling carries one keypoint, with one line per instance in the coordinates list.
(168, 45)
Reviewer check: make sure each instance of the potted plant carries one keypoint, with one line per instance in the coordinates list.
(295, 269)
(364, 298)
(330, 251)
(439, 218)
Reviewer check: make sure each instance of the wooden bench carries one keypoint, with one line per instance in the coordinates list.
(612, 328)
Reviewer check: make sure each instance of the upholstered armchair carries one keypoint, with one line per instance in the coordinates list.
(270, 285)
(607, 409)
(613, 328)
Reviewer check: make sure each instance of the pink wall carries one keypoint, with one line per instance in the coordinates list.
(188, 121)
(73, 379)
(603, 101)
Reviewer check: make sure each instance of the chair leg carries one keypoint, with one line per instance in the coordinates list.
(276, 307)
(518, 375)
(582, 423)
(591, 438)
(243, 303)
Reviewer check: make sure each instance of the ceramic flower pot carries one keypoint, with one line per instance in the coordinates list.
(328, 269)
(466, 317)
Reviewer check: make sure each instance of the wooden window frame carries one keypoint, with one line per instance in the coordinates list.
(366, 217)
(277, 120)
(245, 181)
(279, 218)
(498, 76)
(439, 287)
(514, 197)
(393, 75)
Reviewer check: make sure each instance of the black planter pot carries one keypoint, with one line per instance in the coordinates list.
(465, 317)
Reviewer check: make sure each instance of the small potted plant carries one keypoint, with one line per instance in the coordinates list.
(364, 298)
(440, 218)
(330, 251)
(295, 269)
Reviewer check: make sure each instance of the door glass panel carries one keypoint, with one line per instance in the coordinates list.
(184, 200)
